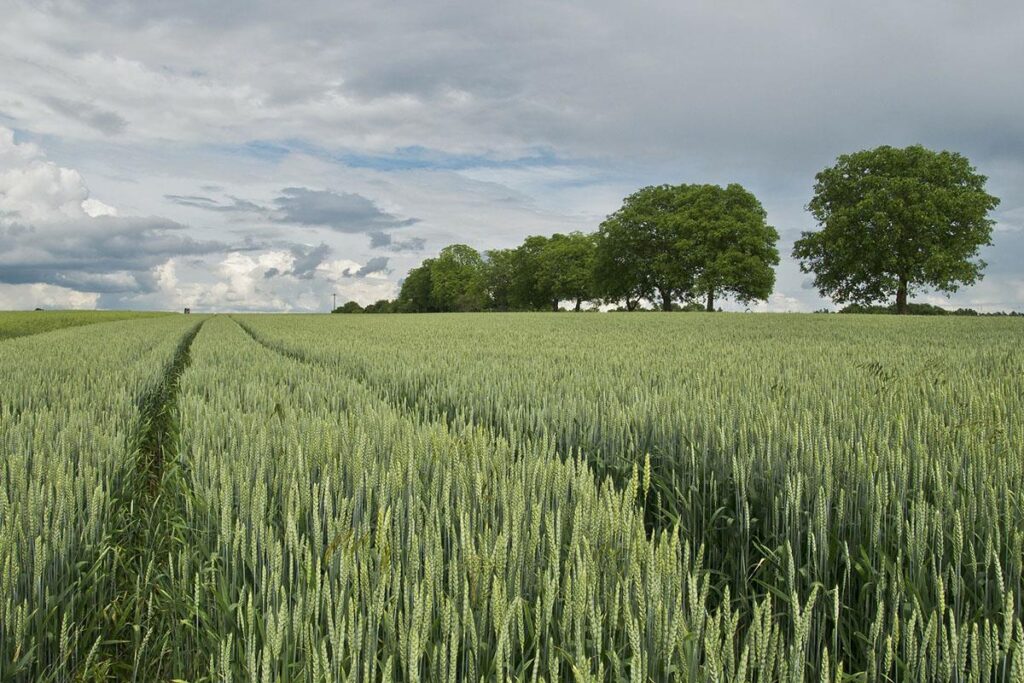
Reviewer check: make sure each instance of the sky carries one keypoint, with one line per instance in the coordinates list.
(268, 155)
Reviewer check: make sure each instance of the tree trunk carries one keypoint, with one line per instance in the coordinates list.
(901, 297)
(710, 308)
(666, 300)
(554, 305)
(630, 304)
(579, 302)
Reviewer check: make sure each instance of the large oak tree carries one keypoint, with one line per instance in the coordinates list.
(727, 244)
(638, 249)
(687, 242)
(895, 220)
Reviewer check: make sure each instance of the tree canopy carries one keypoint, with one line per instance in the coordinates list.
(457, 279)
(891, 221)
(674, 244)
(683, 242)
(639, 254)
(894, 220)
(416, 294)
(454, 281)
(567, 268)
(727, 245)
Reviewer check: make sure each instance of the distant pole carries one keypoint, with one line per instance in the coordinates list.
(335, 295)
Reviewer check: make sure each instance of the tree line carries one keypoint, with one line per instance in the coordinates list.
(891, 221)
(674, 245)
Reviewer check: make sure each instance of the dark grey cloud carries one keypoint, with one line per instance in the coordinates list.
(106, 254)
(377, 264)
(385, 240)
(709, 83)
(307, 259)
(344, 212)
(233, 205)
(340, 211)
(379, 238)
(103, 120)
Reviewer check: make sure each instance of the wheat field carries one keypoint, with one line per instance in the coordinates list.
(524, 497)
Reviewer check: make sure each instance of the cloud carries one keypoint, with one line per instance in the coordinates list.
(41, 190)
(53, 233)
(94, 208)
(339, 270)
(239, 282)
(61, 247)
(375, 265)
(697, 79)
(384, 240)
(343, 212)
(233, 205)
(28, 297)
(103, 254)
(106, 122)
(379, 238)
(307, 259)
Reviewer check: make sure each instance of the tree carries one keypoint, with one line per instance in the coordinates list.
(531, 289)
(639, 249)
(381, 306)
(726, 243)
(349, 307)
(567, 268)
(499, 274)
(457, 279)
(893, 221)
(415, 295)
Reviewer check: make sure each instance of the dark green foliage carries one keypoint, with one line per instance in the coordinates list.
(542, 272)
(382, 306)
(567, 268)
(499, 277)
(919, 309)
(529, 289)
(691, 307)
(727, 244)
(687, 242)
(454, 281)
(638, 251)
(894, 221)
(349, 307)
(415, 296)
(457, 279)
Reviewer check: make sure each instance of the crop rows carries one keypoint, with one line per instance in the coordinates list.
(71, 415)
(515, 497)
(872, 464)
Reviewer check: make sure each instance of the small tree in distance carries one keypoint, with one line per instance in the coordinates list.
(894, 220)
(349, 307)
